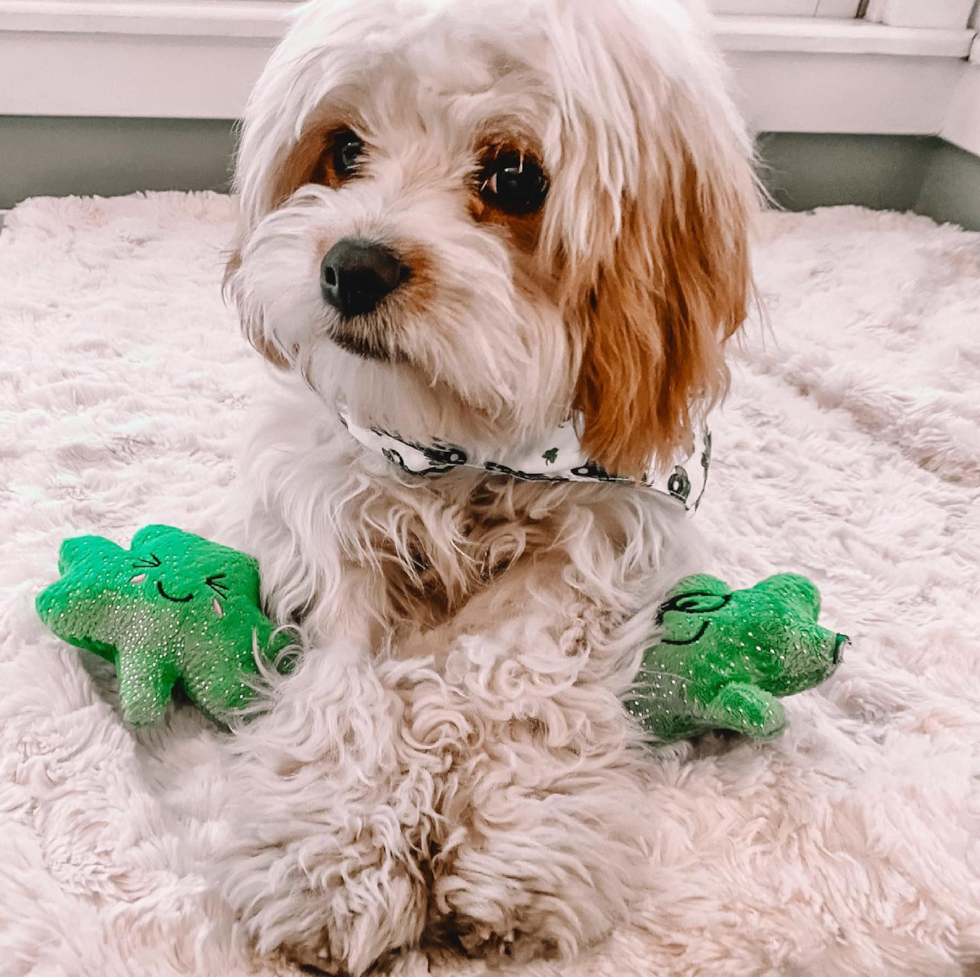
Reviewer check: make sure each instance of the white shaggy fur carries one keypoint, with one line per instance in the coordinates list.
(847, 450)
(487, 784)
(452, 749)
(610, 97)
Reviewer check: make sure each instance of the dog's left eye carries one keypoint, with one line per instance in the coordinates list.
(348, 148)
(513, 182)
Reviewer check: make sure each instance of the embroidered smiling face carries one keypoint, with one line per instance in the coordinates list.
(769, 630)
(725, 657)
(175, 567)
(173, 609)
(166, 576)
(166, 565)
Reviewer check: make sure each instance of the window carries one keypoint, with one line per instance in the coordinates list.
(787, 8)
(943, 14)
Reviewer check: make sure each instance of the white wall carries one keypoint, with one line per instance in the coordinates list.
(793, 74)
(962, 123)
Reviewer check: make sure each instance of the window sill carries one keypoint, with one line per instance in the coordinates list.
(266, 19)
(814, 35)
(792, 73)
(166, 18)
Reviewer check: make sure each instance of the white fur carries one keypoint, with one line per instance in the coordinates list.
(847, 450)
(582, 83)
(452, 749)
(487, 785)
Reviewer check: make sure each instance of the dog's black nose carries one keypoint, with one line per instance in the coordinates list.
(356, 275)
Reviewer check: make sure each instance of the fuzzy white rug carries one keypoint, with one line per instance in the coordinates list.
(849, 450)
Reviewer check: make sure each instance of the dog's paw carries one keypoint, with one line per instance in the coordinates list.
(320, 858)
(544, 877)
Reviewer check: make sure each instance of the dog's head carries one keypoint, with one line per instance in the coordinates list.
(468, 216)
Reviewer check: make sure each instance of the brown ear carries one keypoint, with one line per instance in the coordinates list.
(252, 329)
(298, 163)
(674, 286)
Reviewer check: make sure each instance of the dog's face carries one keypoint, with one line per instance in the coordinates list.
(459, 216)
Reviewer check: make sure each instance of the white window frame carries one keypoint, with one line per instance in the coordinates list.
(791, 73)
(787, 8)
(941, 14)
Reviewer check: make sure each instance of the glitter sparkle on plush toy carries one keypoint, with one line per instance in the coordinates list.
(726, 656)
(173, 610)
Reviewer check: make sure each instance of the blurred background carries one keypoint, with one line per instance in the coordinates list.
(871, 102)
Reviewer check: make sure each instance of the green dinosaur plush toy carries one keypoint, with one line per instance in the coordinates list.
(174, 609)
(726, 655)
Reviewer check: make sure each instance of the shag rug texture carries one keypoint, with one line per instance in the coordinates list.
(849, 449)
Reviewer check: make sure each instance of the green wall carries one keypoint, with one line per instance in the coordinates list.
(920, 173)
(951, 188)
(54, 156)
(58, 156)
(803, 170)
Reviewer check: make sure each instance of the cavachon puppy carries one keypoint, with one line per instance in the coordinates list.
(494, 252)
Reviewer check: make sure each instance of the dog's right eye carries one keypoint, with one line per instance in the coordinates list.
(348, 148)
(513, 182)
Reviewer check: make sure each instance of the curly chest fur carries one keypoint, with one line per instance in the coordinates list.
(483, 541)
(399, 566)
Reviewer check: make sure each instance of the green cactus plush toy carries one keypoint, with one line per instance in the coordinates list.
(726, 655)
(173, 610)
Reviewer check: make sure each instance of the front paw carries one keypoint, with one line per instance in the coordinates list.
(344, 927)
(324, 827)
(543, 876)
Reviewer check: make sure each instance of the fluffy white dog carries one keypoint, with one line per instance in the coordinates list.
(496, 251)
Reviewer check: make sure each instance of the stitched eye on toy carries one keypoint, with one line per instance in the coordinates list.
(220, 591)
(693, 602)
(512, 181)
(144, 563)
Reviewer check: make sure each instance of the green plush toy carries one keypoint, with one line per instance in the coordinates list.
(174, 609)
(726, 655)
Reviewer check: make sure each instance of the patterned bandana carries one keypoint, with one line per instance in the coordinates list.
(558, 458)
